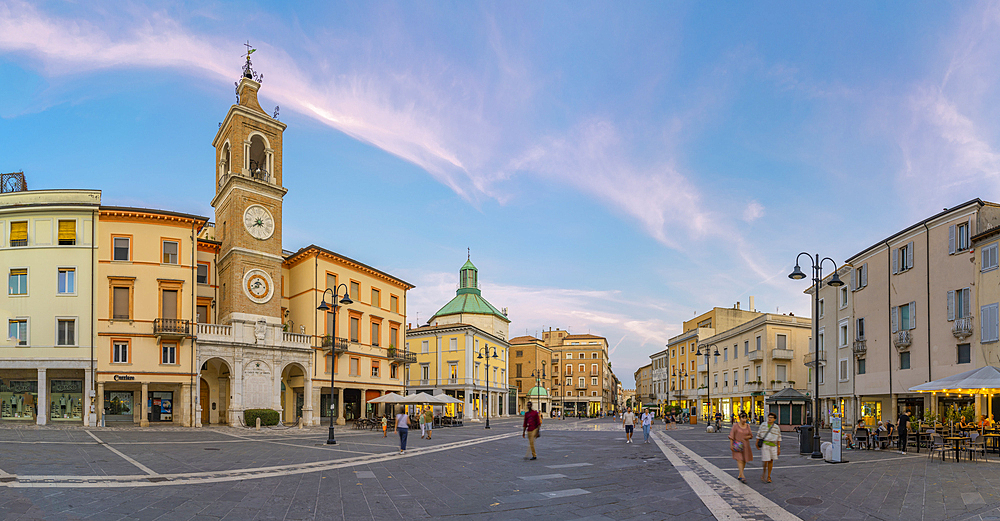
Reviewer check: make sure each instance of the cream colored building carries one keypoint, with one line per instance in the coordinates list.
(48, 251)
(914, 302)
(755, 360)
(660, 379)
(644, 386)
(582, 379)
(687, 378)
(531, 373)
(838, 344)
(463, 352)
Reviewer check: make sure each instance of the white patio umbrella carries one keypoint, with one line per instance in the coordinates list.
(388, 398)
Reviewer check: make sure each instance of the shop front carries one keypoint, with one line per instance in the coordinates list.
(44, 395)
(19, 399)
(66, 402)
(124, 399)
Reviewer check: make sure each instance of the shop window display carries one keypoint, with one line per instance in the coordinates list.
(161, 406)
(66, 399)
(118, 405)
(18, 399)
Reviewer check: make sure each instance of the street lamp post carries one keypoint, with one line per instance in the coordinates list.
(331, 440)
(796, 274)
(539, 376)
(480, 357)
(708, 388)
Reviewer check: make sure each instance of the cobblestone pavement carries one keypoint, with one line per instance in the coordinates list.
(584, 471)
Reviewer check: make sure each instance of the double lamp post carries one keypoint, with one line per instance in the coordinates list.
(708, 379)
(346, 300)
(797, 274)
(480, 357)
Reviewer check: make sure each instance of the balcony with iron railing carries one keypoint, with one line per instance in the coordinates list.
(581, 386)
(902, 339)
(17, 243)
(339, 345)
(860, 346)
(962, 328)
(171, 327)
(809, 358)
(401, 355)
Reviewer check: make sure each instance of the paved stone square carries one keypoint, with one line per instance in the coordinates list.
(584, 471)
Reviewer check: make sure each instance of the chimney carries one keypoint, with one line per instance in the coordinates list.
(750, 305)
(737, 304)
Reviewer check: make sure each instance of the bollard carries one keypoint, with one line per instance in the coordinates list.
(258, 423)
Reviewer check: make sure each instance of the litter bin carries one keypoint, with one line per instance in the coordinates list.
(805, 439)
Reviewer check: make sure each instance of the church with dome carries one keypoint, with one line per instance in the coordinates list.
(462, 351)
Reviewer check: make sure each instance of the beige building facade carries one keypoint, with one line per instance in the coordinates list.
(48, 251)
(531, 372)
(582, 380)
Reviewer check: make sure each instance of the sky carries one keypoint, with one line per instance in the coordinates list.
(614, 167)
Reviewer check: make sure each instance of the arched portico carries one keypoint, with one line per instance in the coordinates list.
(216, 375)
(296, 393)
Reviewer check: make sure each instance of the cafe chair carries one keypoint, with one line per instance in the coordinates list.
(977, 445)
(937, 445)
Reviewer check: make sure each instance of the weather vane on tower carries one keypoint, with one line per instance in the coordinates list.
(248, 71)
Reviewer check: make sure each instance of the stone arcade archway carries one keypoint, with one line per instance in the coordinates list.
(296, 394)
(217, 375)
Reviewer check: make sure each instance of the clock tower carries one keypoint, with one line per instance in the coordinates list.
(247, 202)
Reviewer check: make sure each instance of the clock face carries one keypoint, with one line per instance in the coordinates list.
(258, 286)
(258, 222)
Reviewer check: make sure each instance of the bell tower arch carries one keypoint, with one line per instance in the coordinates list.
(247, 202)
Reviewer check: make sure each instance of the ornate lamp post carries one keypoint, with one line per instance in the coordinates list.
(480, 357)
(796, 274)
(708, 388)
(331, 440)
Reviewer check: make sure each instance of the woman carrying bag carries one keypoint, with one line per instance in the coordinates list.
(769, 443)
(739, 443)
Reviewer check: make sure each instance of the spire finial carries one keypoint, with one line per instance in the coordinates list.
(248, 71)
(469, 256)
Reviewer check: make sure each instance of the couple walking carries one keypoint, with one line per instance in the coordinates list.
(628, 420)
(768, 440)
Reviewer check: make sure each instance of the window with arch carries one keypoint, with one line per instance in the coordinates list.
(259, 159)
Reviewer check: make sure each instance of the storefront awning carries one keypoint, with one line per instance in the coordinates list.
(985, 380)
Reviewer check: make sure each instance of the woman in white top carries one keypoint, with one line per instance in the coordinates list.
(403, 428)
(770, 433)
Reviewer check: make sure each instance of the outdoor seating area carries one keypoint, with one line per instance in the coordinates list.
(418, 399)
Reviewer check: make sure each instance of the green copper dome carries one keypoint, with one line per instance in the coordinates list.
(468, 298)
(537, 392)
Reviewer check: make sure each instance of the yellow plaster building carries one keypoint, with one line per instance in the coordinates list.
(463, 352)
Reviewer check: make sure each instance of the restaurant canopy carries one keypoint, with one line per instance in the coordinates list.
(983, 380)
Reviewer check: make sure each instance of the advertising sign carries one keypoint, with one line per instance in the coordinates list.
(836, 423)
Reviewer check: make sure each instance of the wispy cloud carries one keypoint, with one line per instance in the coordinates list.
(753, 211)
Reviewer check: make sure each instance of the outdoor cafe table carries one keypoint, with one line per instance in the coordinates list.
(958, 441)
(992, 441)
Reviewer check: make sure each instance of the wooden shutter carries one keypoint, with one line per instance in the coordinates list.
(169, 308)
(895, 261)
(864, 275)
(951, 239)
(854, 279)
(913, 315)
(984, 323)
(893, 315)
(120, 304)
(19, 231)
(951, 305)
(966, 304)
(67, 232)
(909, 255)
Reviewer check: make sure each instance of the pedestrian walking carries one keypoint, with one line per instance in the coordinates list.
(385, 426)
(903, 428)
(628, 420)
(403, 428)
(533, 427)
(427, 421)
(647, 423)
(769, 442)
(739, 441)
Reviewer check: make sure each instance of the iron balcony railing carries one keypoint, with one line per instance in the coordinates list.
(401, 355)
(339, 345)
(902, 339)
(171, 327)
(860, 346)
(962, 328)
